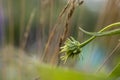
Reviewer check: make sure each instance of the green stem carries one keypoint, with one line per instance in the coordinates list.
(102, 30)
(107, 33)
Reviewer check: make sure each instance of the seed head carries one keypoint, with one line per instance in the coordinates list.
(71, 48)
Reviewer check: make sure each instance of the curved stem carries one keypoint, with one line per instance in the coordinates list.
(106, 33)
(102, 30)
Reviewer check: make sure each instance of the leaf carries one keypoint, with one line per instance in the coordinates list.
(115, 73)
(58, 73)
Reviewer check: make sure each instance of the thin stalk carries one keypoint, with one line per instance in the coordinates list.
(102, 30)
(28, 27)
(3, 38)
(22, 19)
(65, 9)
(112, 32)
(118, 45)
(11, 22)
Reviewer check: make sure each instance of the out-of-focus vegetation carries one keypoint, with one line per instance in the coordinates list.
(32, 32)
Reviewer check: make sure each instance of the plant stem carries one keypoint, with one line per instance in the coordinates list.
(106, 33)
(102, 30)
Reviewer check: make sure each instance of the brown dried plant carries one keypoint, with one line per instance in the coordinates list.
(69, 9)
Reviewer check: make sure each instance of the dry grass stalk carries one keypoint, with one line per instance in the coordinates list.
(106, 15)
(22, 25)
(11, 22)
(66, 28)
(71, 7)
(41, 35)
(22, 19)
(23, 44)
(109, 56)
(106, 18)
(53, 32)
(11, 32)
(28, 27)
(4, 55)
(41, 32)
(51, 13)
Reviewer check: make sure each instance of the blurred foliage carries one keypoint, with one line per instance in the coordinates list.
(22, 67)
(53, 73)
(115, 74)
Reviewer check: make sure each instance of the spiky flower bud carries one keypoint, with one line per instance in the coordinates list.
(71, 48)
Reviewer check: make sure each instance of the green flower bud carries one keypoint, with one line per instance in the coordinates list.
(70, 49)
